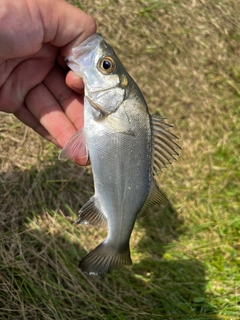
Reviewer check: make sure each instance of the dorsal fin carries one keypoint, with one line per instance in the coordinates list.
(163, 146)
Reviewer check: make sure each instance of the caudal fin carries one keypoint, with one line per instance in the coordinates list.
(103, 259)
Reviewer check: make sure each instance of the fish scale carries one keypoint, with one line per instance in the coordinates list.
(128, 199)
(127, 147)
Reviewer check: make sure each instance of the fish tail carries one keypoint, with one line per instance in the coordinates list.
(104, 258)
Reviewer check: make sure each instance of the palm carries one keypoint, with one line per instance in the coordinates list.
(35, 36)
(35, 88)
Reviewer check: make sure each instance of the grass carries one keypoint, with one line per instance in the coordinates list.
(184, 55)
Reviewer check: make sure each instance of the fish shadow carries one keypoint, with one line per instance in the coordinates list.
(172, 277)
(157, 285)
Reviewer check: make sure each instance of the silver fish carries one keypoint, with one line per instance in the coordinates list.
(127, 147)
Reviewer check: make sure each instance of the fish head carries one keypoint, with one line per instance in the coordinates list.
(104, 77)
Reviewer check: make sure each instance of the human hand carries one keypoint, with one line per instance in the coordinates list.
(35, 36)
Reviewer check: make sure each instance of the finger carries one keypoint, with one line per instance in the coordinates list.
(45, 108)
(25, 116)
(25, 76)
(75, 82)
(62, 32)
(70, 102)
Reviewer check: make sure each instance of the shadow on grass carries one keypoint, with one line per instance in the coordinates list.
(177, 285)
(39, 268)
(161, 285)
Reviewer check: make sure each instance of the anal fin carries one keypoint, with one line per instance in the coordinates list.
(92, 214)
(155, 196)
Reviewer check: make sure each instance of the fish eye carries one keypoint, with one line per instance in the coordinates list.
(107, 65)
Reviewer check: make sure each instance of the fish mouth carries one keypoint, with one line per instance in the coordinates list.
(98, 107)
(83, 55)
(88, 45)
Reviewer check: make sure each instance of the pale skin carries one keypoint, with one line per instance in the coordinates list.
(35, 37)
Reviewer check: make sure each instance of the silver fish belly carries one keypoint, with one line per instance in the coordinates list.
(127, 147)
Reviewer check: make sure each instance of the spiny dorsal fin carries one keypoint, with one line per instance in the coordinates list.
(91, 214)
(164, 148)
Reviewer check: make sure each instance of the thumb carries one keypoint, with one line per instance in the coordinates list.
(65, 26)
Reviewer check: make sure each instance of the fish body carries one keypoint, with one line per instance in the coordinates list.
(119, 135)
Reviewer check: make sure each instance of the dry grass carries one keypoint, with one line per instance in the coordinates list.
(184, 55)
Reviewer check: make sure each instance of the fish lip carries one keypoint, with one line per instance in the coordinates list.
(87, 45)
(98, 107)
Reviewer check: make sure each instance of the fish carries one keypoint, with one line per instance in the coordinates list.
(127, 148)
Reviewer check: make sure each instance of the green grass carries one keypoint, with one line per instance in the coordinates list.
(185, 57)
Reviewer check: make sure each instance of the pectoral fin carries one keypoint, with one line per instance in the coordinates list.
(119, 125)
(75, 148)
(164, 148)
